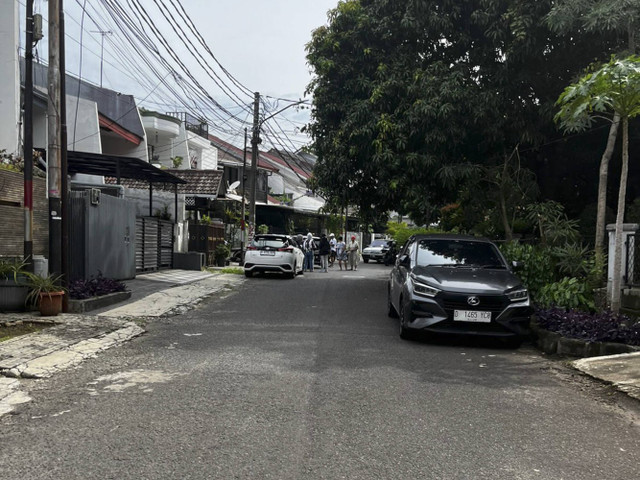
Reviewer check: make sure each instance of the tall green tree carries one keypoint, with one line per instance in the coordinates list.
(619, 16)
(412, 98)
(614, 87)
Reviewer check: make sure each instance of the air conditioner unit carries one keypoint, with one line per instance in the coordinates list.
(95, 196)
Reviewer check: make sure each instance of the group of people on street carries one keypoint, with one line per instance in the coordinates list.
(330, 250)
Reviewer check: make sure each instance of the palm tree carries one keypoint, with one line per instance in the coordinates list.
(568, 17)
(613, 88)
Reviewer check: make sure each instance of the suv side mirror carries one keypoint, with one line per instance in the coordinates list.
(404, 261)
(517, 265)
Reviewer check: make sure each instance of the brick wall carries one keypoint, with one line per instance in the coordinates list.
(12, 215)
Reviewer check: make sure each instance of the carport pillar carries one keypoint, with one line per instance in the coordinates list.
(175, 200)
(175, 224)
(150, 199)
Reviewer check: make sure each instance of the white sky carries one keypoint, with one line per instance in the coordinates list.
(260, 42)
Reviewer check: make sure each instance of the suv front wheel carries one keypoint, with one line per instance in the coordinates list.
(405, 333)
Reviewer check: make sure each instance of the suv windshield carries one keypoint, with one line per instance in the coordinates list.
(271, 242)
(458, 252)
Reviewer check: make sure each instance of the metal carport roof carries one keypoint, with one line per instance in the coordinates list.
(117, 167)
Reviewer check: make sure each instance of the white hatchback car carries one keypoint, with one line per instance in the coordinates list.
(273, 253)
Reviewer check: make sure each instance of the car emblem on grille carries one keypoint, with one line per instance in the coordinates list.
(473, 301)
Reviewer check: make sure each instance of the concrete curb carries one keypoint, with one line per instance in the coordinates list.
(94, 303)
(553, 343)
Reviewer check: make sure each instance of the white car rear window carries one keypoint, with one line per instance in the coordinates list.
(270, 242)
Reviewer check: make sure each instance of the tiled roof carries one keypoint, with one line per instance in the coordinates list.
(297, 159)
(273, 201)
(277, 159)
(236, 153)
(199, 182)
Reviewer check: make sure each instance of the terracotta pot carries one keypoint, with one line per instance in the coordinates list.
(50, 303)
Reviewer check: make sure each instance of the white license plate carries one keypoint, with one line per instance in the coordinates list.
(471, 316)
(270, 253)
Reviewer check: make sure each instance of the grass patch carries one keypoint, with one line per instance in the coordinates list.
(231, 270)
(7, 332)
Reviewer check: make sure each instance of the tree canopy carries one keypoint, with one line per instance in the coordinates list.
(413, 98)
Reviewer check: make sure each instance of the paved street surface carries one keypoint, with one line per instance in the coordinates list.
(308, 379)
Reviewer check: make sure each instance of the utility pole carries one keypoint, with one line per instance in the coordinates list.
(65, 268)
(103, 33)
(54, 140)
(243, 229)
(27, 152)
(255, 141)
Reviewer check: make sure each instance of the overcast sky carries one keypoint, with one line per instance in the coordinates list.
(261, 43)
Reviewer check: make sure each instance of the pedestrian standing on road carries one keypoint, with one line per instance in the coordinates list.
(354, 253)
(333, 253)
(341, 253)
(309, 246)
(324, 250)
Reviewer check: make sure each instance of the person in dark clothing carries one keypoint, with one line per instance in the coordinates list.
(324, 249)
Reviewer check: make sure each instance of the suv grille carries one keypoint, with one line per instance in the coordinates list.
(488, 303)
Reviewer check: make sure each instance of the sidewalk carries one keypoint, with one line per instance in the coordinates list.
(622, 371)
(76, 337)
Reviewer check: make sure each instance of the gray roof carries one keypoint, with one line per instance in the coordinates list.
(115, 106)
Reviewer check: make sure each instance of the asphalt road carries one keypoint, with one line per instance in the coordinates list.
(308, 379)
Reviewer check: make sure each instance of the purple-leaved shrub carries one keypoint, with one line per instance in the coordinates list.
(603, 326)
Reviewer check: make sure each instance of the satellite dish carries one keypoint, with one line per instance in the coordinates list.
(234, 185)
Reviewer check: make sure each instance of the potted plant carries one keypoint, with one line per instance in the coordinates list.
(46, 293)
(221, 254)
(13, 285)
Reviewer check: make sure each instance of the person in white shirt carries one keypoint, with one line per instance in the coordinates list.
(332, 255)
(354, 253)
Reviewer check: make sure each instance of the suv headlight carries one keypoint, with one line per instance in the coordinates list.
(518, 295)
(422, 289)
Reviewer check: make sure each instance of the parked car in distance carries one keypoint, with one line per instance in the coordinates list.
(376, 250)
(273, 253)
(457, 284)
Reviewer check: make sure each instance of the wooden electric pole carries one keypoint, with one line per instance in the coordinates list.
(243, 222)
(27, 151)
(255, 141)
(64, 178)
(54, 140)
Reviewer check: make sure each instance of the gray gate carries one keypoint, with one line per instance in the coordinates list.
(165, 244)
(154, 244)
(101, 236)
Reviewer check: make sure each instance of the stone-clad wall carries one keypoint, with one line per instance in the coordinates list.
(12, 215)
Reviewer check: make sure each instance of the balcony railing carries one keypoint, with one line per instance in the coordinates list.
(192, 123)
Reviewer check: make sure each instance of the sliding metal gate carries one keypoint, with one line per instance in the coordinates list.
(154, 244)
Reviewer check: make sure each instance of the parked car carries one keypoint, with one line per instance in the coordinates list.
(273, 253)
(457, 284)
(376, 250)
